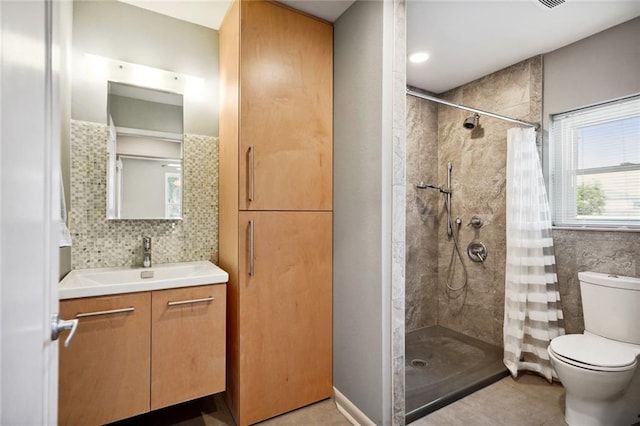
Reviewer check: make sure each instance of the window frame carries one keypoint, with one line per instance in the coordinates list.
(564, 171)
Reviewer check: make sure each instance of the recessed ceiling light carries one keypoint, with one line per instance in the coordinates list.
(419, 57)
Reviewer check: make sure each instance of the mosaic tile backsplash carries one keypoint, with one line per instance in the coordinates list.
(98, 242)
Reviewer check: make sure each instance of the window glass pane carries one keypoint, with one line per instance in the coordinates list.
(609, 195)
(609, 144)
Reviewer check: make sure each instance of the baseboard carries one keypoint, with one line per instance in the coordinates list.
(350, 411)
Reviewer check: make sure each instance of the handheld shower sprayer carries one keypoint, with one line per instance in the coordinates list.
(423, 185)
(446, 191)
(451, 232)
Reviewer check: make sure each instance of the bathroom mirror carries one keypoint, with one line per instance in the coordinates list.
(144, 153)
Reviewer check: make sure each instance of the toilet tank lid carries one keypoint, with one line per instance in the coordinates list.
(610, 280)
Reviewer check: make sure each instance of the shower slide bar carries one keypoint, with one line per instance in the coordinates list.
(475, 110)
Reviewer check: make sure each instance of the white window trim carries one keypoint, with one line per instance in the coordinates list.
(569, 169)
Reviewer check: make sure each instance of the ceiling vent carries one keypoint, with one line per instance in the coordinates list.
(551, 3)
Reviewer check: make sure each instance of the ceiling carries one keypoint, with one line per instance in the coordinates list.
(470, 39)
(466, 39)
(209, 13)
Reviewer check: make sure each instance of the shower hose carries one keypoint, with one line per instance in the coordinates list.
(456, 249)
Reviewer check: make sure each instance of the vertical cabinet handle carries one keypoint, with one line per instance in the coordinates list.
(251, 248)
(251, 154)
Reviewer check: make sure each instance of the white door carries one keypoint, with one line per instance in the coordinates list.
(29, 154)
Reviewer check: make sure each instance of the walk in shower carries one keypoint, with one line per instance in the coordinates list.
(456, 234)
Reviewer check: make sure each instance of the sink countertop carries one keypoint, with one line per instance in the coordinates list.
(106, 281)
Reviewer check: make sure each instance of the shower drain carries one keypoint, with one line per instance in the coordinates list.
(419, 363)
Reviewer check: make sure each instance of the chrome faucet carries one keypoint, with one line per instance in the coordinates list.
(146, 252)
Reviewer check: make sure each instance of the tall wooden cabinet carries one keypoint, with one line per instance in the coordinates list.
(276, 68)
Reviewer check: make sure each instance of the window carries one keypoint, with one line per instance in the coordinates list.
(595, 165)
(172, 196)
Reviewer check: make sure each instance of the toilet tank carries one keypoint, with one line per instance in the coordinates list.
(611, 306)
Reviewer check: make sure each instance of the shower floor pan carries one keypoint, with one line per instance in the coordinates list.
(442, 366)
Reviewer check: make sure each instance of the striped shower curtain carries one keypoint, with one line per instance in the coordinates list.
(532, 311)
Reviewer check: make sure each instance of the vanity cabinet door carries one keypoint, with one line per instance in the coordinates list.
(285, 312)
(286, 107)
(104, 373)
(188, 343)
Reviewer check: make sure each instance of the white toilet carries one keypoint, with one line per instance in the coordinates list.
(599, 369)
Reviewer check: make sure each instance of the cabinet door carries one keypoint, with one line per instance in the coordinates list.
(285, 312)
(188, 344)
(104, 373)
(286, 108)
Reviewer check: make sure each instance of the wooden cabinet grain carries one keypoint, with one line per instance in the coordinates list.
(286, 108)
(276, 70)
(125, 362)
(187, 344)
(285, 312)
(104, 373)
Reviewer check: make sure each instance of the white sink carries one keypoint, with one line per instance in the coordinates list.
(104, 281)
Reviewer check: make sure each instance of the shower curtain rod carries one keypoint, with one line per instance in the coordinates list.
(466, 108)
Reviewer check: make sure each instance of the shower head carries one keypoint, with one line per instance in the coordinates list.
(471, 122)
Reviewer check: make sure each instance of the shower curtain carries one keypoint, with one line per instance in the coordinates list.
(532, 311)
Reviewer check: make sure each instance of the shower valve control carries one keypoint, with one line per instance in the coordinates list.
(477, 251)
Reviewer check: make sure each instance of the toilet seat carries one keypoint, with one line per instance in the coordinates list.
(593, 353)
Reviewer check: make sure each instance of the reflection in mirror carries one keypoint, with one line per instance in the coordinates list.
(144, 153)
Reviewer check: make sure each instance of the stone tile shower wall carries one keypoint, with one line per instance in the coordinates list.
(478, 183)
(98, 242)
(421, 305)
(478, 186)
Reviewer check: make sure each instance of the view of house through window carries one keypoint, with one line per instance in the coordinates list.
(595, 166)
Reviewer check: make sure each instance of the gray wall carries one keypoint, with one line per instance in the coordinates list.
(127, 33)
(361, 368)
(599, 68)
(143, 190)
(140, 114)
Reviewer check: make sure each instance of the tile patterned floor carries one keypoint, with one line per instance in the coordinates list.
(528, 401)
(212, 411)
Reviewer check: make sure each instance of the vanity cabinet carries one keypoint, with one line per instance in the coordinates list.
(187, 344)
(275, 220)
(104, 374)
(141, 351)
